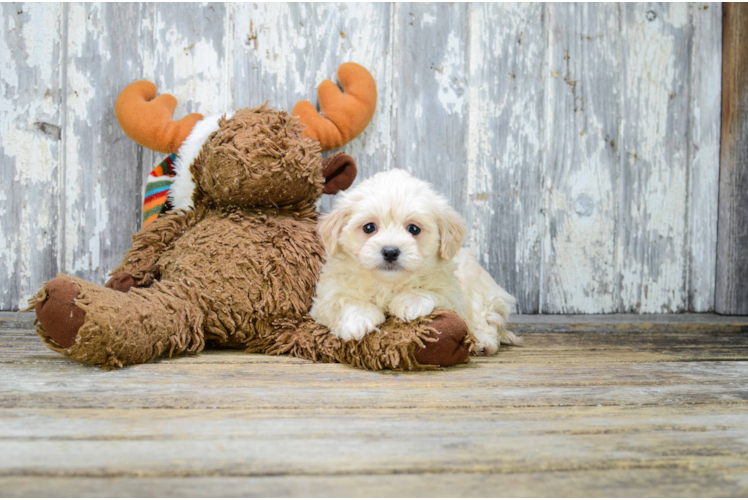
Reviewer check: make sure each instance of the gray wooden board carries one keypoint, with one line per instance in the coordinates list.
(629, 482)
(430, 81)
(704, 154)
(177, 443)
(506, 123)
(654, 179)
(732, 263)
(481, 100)
(30, 148)
(100, 202)
(576, 414)
(582, 161)
(587, 369)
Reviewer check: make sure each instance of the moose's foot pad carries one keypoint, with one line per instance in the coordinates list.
(450, 348)
(58, 314)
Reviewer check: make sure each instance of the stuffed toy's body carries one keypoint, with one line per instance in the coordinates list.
(237, 260)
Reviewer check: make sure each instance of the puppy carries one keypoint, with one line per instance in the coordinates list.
(394, 247)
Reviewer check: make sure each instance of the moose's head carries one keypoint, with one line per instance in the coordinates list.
(255, 157)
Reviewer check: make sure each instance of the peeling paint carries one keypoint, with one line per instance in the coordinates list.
(431, 73)
(194, 76)
(582, 172)
(706, 101)
(504, 146)
(585, 173)
(450, 76)
(29, 84)
(654, 182)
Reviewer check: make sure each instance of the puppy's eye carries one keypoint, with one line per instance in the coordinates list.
(413, 229)
(370, 228)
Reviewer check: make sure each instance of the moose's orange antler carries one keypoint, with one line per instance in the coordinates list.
(344, 114)
(149, 121)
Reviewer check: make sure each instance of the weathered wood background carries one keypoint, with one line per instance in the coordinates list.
(581, 142)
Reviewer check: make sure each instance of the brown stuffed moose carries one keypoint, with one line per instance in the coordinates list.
(236, 262)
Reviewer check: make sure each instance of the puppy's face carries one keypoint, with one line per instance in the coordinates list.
(393, 225)
(391, 238)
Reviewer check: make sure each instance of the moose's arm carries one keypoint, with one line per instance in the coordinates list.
(140, 265)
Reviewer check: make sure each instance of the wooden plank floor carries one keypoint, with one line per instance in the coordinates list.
(605, 405)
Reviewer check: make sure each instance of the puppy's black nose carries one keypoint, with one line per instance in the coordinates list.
(390, 253)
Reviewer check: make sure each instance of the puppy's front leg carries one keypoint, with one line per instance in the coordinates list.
(357, 320)
(408, 306)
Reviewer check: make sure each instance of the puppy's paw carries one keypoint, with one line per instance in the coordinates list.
(487, 344)
(408, 307)
(357, 322)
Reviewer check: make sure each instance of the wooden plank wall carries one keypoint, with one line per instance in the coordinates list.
(581, 141)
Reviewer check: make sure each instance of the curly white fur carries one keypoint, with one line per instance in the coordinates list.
(358, 286)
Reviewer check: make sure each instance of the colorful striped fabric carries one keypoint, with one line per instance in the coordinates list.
(157, 190)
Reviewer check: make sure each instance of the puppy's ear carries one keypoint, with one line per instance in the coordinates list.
(330, 227)
(339, 172)
(451, 232)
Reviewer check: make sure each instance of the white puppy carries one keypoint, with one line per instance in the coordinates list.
(393, 247)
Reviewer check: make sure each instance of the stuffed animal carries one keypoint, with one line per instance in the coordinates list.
(236, 262)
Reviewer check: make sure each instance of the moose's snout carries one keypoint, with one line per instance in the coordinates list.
(390, 254)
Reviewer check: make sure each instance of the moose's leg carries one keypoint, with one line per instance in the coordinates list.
(440, 339)
(102, 326)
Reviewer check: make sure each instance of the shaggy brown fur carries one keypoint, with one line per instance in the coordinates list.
(239, 270)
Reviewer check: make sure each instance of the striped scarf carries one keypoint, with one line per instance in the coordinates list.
(157, 190)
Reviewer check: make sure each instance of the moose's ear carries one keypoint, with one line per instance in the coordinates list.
(346, 113)
(339, 172)
(148, 120)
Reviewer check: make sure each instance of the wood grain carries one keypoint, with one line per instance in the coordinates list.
(553, 369)
(732, 259)
(430, 79)
(122, 443)
(704, 145)
(506, 124)
(575, 414)
(583, 159)
(629, 482)
(30, 147)
(188, 56)
(101, 199)
(653, 194)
